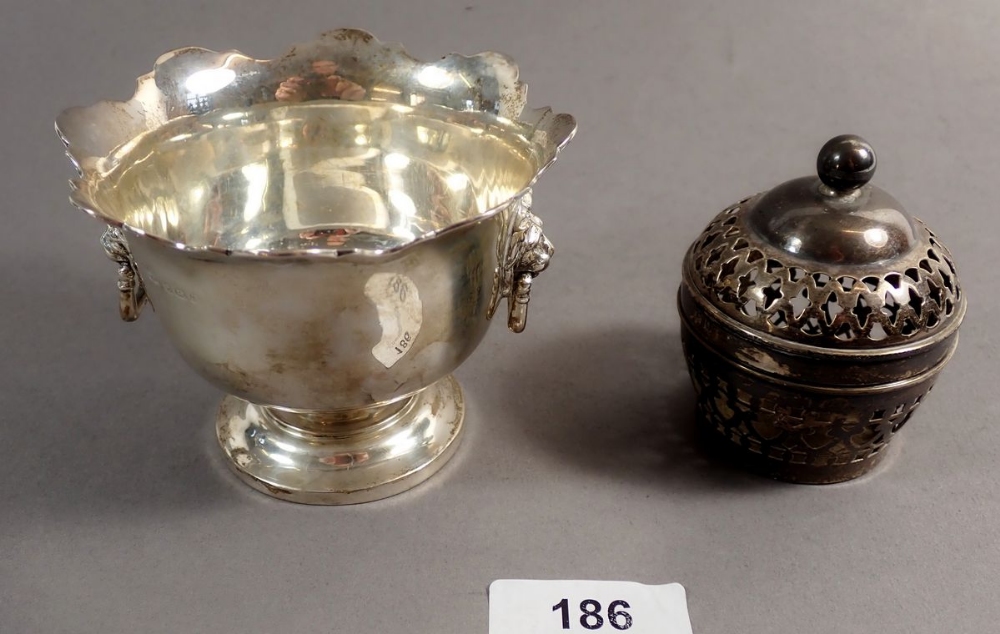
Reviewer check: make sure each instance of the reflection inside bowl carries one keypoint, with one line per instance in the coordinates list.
(322, 175)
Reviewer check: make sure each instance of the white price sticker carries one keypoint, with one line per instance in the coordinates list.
(521, 606)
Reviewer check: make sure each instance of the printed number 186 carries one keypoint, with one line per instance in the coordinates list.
(403, 343)
(590, 614)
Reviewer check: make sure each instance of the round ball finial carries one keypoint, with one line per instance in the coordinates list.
(845, 163)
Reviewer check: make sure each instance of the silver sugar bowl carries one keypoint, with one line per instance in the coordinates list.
(815, 319)
(326, 237)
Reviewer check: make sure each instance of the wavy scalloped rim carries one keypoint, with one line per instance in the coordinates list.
(488, 83)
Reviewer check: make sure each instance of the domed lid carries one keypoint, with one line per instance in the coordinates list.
(829, 260)
(838, 217)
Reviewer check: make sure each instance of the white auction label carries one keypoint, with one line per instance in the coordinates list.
(400, 313)
(522, 606)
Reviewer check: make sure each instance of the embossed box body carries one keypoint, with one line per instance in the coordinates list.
(816, 317)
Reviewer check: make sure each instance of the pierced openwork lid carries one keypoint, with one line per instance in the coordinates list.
(829, 261)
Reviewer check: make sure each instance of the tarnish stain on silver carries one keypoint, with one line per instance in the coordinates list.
(816, 317)
(131, 290)
(523, 255)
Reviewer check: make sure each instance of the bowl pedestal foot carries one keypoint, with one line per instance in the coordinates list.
(343, 457)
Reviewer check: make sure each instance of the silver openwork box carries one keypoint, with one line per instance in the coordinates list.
(326, 237)
(816, 317)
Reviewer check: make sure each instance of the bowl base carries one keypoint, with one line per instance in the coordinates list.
(361, 457)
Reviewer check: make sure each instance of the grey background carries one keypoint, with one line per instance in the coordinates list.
(117, 514)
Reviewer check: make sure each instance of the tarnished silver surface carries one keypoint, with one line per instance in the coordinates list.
(324, 236)
(131, 290)
(523, 253)
(816, 317)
